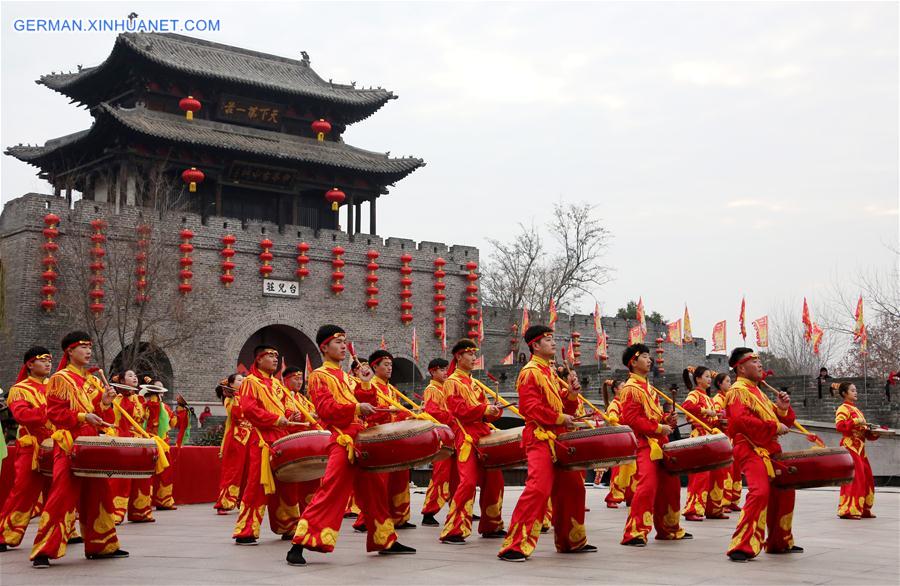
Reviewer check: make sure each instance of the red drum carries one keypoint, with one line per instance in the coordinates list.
(601, 447)
(445, 434)
(397, 446)
(811, 468)
(301, 456)
(502, 448)
(45, 457)
(103, 456)
(698, 454)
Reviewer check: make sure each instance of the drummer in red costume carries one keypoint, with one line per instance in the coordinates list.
(293, 380)
(27, 401)
(733, 486)
(657, 497)
(235, 449)
(858, 496)
(132, 497)
(754, 424)
(341, 407)
(268, 406)
(444, 476)
(471, 413)
(160, 419)
(621, 477)
(549, 410)
(706, 490)
(77, 405)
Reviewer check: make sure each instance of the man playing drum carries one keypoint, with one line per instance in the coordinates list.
(754, 424)
(77, 405)
(548, 409)
(657, 497)
(444, 476)
(267, 405)
(341, 408)
(293, 379)
(471, 414)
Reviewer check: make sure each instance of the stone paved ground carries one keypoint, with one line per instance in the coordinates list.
(192, 546)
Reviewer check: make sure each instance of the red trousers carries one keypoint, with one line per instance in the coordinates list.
(733, 485)
(765, 506)
(621, 484)
(398, 495)
(235, 457)
(320, 524)
(657, 501)
(22, 498)
(163, 497)
(459, 517)
(566, 491)
(706, 493)
(857, 497)
(91, 497)
(282, 504)
(131, 498)
(444, 479)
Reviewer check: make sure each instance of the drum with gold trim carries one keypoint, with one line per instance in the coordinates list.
(502, 448)
(301, 456)
(600, 447)
(814, 467)
(698, 454)
(103, 456)
(45, 457)
(448, 443)
(397, 446)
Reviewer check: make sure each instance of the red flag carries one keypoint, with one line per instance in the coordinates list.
(570, 353)
(807, 321)
(383, 343)
(860, 322)
(351, 350)
(864, 340)
(743, 319)
(479, 363)
(480, 327)
(688, 336)
(444, 339)
(761, 326)
(600, 345)
(674, 333)
(635, 335)
(525, 322)
(718, 337)
(554, 316)
(640, 316)
(308, 370)
(509, 359)
(414, 346)
(817, 334)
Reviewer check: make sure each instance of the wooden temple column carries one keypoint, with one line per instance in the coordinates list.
(350, 217)
(372, 229)
(358, 226)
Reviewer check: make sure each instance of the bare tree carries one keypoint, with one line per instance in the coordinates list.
(522, 273)
(787, 341)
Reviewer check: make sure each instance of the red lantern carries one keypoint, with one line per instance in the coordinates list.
(405, 294)
(576, 345)
(472, 300)
(659, 356)
(321, 127)
(372, 280)
(140, 262)
(97, 253)
(189, 105)
(337, 276)
(302, 260)
(336, 197)
(227, 254)
(186, 248)
(193, 177)
(50, 262)
(266, 257)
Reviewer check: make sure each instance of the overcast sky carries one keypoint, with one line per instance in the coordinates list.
(731, 148)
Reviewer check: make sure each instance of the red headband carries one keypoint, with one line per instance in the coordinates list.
(23, 372)
(538, 337)
(330, 338)
(64, 361)
(746, 358)
(377, 360)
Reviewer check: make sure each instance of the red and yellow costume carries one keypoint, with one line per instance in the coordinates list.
(857, 497)
(27, 400)
(235, 453)
(160, 419)
(622, 478)
(337, 400)
(468, 405)
(263, 401)
(397, 482)
(444, 477)
(732, 497)
(753, 424)
(72, 393)
(706, 490)
(544, 400)
(656, 500)
(183, 423)
(132, 497)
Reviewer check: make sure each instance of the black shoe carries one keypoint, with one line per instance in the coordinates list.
(245, 541)
(75, 540)
(146, 520)
(397, 549)
(686, 536)
(404, 525)
(586, 548)
(360, 529)
(739, 556)
(545, 530)
(119, 553)
(512, 556)
(287, 536)
(3, 547)
(295, 556)
(476, 517)
(498, 534)
(636, 542)
(429, 520)
(454, 540)
(41, 561)
(350, 515)
(793, 549)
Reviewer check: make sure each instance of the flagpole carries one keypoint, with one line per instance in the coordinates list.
(865, 379)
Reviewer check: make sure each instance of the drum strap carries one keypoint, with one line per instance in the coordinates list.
(266, 478)
(63, 437)
(764, 454)
(162, 448)
(29, 440)
(346, 442)
(656, 452)
(549, 437)
(466, 450)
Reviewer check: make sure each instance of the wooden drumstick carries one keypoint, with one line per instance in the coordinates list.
(818, 441)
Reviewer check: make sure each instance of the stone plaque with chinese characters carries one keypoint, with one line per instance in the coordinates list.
(248, 111)
(278, 288)
(249, 174)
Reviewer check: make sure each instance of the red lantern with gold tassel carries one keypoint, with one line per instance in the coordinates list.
(185, 261)
(514, 337)
(440, 322)
(472, 300)
(50, 262)
(266, 257)
(140, 264)
(406, 305)
(193, 177)
(372, 280)
(659, 356)
(227, 253)
(302, 260)
(189, 105)
(576, 345)
(97, 294)
(337, 275)
(321, 127)
(336, 197)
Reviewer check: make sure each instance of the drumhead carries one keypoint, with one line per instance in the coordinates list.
(312, 432)
(695, 441)
(47, 444)
(810, 453)
(605, 430)
(502, 436)
(395, 430)
(108, 440)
